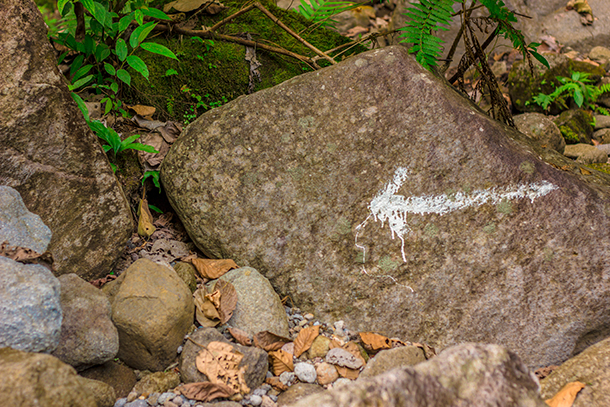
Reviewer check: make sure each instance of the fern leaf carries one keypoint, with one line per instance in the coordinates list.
(321, 11)
(427, 16)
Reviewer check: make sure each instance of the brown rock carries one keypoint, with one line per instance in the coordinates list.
(158, 382)
(325, 184)
(153, 309)
(50, 156)
(38, 379)
(297, 392)
(319, 347)
(542, 129)
(327, 373)
(187, 273)
(120, 377)
(585, 153)
(390, 359)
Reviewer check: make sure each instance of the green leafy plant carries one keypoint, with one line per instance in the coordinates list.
(426, 17)
(114, 143)
(192, 112)
(578, 87)
(154, 176)
(321, 11)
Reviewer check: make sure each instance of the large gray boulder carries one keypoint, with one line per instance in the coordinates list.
(50, 156)
(30, 309)
(350, 186)
(472, 375)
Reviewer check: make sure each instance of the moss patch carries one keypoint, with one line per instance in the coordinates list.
(605, 167)
(211, 73)
(575, 126)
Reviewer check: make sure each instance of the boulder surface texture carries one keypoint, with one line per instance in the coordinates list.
(372, 192)
(30, 308)
(36, 379)
(88, 336)
(50, 156)
(152, 309)
(470, 374)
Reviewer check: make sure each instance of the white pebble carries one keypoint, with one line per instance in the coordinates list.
(305, 372)
(255, 400)
(287, 378)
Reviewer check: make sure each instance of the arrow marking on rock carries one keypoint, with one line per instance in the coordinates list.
(393, 208)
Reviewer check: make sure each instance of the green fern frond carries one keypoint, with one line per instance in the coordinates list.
(426, 17)
(321, 11)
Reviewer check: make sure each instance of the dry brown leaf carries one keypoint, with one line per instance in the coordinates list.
(26, 256)
(206, 391)
(305, 339)
(348, 373)
(335, 343)
(205, 311)
(268, 341)
(397, 343)
(145, 220)
(375, 342)
(143, 110)
(584, 171)
(275, 382)
(240, 336)
(214, 298)
(228, 300)
(219, 361)
(566, 396)
(190, 5)
(212, 268)
(281, 362)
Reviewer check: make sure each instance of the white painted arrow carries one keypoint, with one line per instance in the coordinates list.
(387, 206)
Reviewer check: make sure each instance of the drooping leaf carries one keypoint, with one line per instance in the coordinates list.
(143, 110)
(228, 300)
(305, 339)
(145, 220)
(205, 311)
(348, 373)
(220, 361)
(137, 64)
(81, 105)
(139, 34)
(155, 13)
(158, 49)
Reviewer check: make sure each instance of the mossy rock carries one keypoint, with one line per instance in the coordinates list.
(215, 72)
(602, 167)
(523, 87)
(575, 126)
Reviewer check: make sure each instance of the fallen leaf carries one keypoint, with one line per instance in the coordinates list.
(354, 349)
(99, 283)
(281, 362)
(26, 256)
(305, 339)
(375, 342)
(228, 300)
(213, 268)
(566, 396)
(268, 341)
(275, 382)
(397, 343)
(219, 361)
(145, 220)
(240, 336)
(205, 311)
(143, 110)
(155, 141)
(348, 373)
(584, 171)
(205, 391)
(214, 298)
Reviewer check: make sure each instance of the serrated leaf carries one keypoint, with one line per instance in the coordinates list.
(138, 65)
(158, 49)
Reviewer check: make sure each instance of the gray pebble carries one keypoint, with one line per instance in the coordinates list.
(269, 374)
(169, 404)
(298, 316)
(165, 397)
(262, 390)
(287, 378)
(256, 400)
(132, 396)
(341, 357)
(273, 397)
(305, 372)
(308, 316)
(137, 403)
(120, 402)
